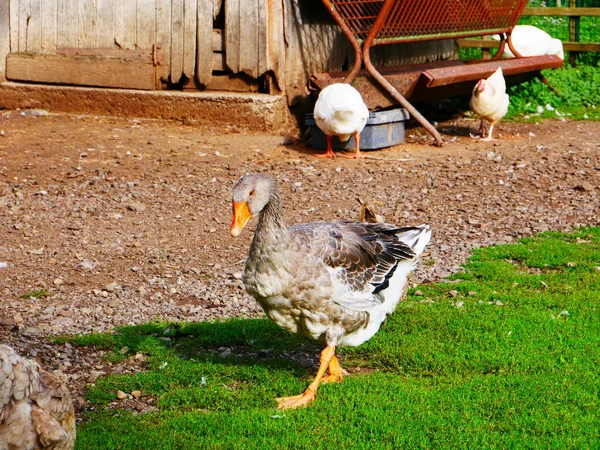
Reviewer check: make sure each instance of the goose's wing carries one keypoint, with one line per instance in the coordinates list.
(364, 256)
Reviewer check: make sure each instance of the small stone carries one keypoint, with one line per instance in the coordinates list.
(453, 293)
(121, 395)
(136, 206)
(7, 322)
(112, 287)
(136, 394)
(30, 331)
(571, 264)
(74, 226)
(472, 293)
(584, 186)
(58, 281)
(225, 353)
(418, 293)
(115, 303)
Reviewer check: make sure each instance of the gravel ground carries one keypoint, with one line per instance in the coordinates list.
(127, 221)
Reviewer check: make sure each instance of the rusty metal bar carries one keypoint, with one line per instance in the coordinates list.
(350, 35)
(375, 30)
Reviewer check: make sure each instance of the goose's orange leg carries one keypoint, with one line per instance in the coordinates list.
(329, 153)
(357, 153)
(336, 373)
(308, 396)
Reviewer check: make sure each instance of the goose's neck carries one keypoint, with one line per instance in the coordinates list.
(271, 225)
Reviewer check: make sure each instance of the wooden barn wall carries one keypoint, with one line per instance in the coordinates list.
(182, 28)
(290, 39)
(315, 44)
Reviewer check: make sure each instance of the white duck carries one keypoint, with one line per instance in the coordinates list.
(36, 411)
(340, 111)
(331, 281)
(531, 41)
(490, 100)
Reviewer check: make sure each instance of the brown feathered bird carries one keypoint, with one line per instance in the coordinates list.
(367, 213)
(36, 410)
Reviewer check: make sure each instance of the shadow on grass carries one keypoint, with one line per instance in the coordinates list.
(248, 342)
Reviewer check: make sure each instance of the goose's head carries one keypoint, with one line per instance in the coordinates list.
(250, 195)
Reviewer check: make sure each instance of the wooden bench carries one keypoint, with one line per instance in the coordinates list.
(369, 23)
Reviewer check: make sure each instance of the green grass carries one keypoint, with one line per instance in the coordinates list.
(504, 355)
(35, 294)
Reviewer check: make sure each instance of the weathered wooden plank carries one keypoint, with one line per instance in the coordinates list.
(127, 53)
(24, 9)
(232, 34)
(4, 35)
(49, 16)
(190, 12)
(125, 24)
(204, 45)
(81, 70)
(561, 12)
(86, 30)
(105, 19)
(163, 35)
(145, 26)
(176, 40)
(67, 23)
(228, 82)
(249, 55)
(13, 21)
(581, 46)
(262, 43)
(277, 42)
(34, 26)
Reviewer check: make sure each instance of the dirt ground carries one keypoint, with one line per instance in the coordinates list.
(119, 221)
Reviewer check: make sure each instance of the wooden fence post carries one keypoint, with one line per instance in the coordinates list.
(574, 22)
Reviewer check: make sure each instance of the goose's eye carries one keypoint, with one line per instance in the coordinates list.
(251, 194)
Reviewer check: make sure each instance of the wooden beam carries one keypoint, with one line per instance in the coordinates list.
(561, 12)
(568, 46)
(478, 43)
(127, 73)
(581, 46)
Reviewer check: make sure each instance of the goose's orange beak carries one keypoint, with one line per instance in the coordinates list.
(241, 216)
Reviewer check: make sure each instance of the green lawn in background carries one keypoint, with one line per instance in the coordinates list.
(503, 355)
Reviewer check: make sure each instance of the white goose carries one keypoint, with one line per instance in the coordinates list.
(340, 111)
(531, 41)
(331, 281)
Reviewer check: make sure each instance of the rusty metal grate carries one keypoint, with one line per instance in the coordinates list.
(421, 20)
